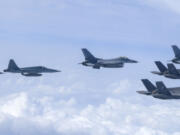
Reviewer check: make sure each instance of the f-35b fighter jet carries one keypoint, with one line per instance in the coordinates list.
(28, 71)
(97, 63)
(177, 54)
(170, 72)
(160, 91)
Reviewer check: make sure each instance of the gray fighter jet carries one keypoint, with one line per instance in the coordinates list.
(170, 72)
(177, 54)
(97, 63)
(160, 91)
(28, 71)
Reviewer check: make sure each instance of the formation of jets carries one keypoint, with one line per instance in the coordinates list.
(159, 90)
(90, 61)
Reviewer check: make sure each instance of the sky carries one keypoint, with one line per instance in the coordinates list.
(81, 100)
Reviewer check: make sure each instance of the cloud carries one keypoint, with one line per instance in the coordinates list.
(121, 87)
(25, 113)
(15, 105)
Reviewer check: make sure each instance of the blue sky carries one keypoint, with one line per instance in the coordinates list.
(80, 100)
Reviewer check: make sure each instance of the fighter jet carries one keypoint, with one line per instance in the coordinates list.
(28, 71)
(170, 72)
(177, 54)
(160, 91)
(97, 63)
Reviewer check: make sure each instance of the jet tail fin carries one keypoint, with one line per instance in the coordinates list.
(12, 65)
(160, 66)
(88, 56)
(162, 88)
(176, 51)
(149, 86)
(172, 69)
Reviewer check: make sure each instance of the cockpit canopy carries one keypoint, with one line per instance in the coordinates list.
(124, 58)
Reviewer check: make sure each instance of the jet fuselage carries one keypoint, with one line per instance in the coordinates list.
(109, 63)
(170, 72)
(38, 69)
(28, 71)
(167, 74)
(160, 91)
(174, 94)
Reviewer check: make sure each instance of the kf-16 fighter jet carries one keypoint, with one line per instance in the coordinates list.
(97, 63)
(160, 91)
(177, 54)
(28, 71)
(170, 72)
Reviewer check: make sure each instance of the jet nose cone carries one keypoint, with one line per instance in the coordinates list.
(56, 71)
(53, 70)
(134, 61)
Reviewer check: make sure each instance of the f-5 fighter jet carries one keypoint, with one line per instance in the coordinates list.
(28, 71)
(97, 63)
(160, 91)
(170, 72)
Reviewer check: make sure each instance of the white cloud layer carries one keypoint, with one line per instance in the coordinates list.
(25, 113)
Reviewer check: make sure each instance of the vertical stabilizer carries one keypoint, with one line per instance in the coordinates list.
(88, 56)
(160, 66)
(176, 51)
(12, 65)
(162, 88)
(149, 86)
